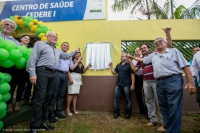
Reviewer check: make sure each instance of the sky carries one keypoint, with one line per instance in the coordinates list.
(125, 15)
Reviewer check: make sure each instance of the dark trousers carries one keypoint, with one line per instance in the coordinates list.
(170, 99)
(139, 94)
(13, 73)
(27, 92)
(44, 87)
(23, 78)
(58, 94)
(118, 94)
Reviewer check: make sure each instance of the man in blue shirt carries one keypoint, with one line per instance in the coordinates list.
(195, 68)
(125, 84)
(61, 85)
(168, 65)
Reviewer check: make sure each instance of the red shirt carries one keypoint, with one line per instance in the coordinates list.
(147, 70)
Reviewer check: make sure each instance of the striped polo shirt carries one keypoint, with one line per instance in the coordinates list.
(147, 70)
(10, 38)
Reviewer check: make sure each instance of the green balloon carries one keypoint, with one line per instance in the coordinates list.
(18, 28)
(9, 45)
(39, 26)
(3, 114)
(1, 97)
(15, 54)
(26, 24)
(30, 50)
(3, 54)
(7, 63)
(27, 56)
(1, 125)
(24, 18)
(21, 67)
(31, 18)
(57, 44)
(38, 31)
(2, 43)
(44, 31)
(21, 62)
(12, 18)
(7, 77)
(3, 106)
(6, 97)
(1, 77)
(4, 88)
(23, 49)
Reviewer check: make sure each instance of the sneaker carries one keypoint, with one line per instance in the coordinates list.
(161, 129)
(60, 116)
(150, 124)
(53, 120)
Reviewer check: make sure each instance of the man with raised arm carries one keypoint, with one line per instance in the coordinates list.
(42, 65)
(168, 65)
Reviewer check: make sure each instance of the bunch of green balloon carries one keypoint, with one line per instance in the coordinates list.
(11, 55)
(4, 95)
(34, 25)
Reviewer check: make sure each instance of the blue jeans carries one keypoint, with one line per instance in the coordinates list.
(58, 94)
(170, 98)
(118, 94)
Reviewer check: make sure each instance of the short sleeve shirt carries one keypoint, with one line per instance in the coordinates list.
(171, 61)
(147, 70)
(79, 68)
(64, 65)
(124, 74)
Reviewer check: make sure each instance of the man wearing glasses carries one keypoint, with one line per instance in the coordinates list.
(8, 27)
(42, 66)
(168, 65)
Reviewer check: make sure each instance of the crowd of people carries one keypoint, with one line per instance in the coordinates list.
(156, 77)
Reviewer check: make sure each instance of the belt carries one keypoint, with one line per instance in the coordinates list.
(62, 71)
(166, 77)
(48, 69)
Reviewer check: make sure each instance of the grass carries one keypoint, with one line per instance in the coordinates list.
(102, 122)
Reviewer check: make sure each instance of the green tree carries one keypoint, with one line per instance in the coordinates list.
(153, 10)
(137, 5)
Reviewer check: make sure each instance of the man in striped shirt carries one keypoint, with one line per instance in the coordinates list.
(149, 86)
(8, 27)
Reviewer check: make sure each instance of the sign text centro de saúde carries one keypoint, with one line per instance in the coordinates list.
(54, 10)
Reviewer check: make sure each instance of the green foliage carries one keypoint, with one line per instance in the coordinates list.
(178, 14)
(185, 47)
(153, 10)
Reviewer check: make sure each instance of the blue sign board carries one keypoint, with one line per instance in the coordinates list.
(54, 10)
